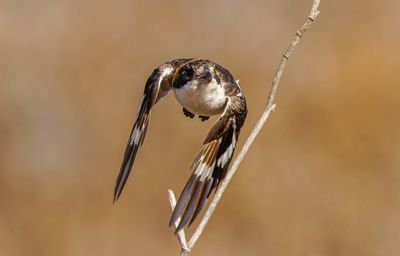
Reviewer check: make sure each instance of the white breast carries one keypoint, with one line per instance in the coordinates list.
(202, 99)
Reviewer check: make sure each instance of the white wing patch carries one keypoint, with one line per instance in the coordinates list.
(136, 135)
(224, 158)
(205, 164)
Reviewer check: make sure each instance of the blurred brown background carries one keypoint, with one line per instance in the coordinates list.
(321, 179)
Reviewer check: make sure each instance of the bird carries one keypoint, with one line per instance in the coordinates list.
(203, 88)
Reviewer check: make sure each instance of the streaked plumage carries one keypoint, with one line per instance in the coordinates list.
(203, 88)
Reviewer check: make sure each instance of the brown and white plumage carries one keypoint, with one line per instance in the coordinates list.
(157, 86)
(203, 88)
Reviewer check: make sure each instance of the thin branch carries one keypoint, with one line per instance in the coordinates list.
(270, 106)
(181, 234)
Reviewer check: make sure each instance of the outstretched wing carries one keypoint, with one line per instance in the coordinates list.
(211, 164)
(157, 86)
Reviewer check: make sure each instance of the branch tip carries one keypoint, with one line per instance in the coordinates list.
(185, 250)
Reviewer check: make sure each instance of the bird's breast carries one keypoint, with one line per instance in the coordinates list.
(202, 99)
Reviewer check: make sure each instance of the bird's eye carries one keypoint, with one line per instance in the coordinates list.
(186, 75)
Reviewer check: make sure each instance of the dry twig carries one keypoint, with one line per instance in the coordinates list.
(181, 234)
(270, 106)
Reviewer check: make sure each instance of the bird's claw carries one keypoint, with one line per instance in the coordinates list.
(187, 113)
(204, 118)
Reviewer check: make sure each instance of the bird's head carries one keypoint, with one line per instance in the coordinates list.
(188, 74)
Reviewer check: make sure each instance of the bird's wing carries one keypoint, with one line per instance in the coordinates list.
(157, 86)
(211, 164)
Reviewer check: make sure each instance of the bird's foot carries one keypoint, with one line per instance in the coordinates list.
(204, 118)
(187, 113)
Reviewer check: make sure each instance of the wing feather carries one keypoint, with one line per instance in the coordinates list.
(157, 86)
(211, 164)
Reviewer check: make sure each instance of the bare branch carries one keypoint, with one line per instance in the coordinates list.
(270, 106)
(181, 234)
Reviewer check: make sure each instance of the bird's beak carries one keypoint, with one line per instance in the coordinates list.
(206, 76)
